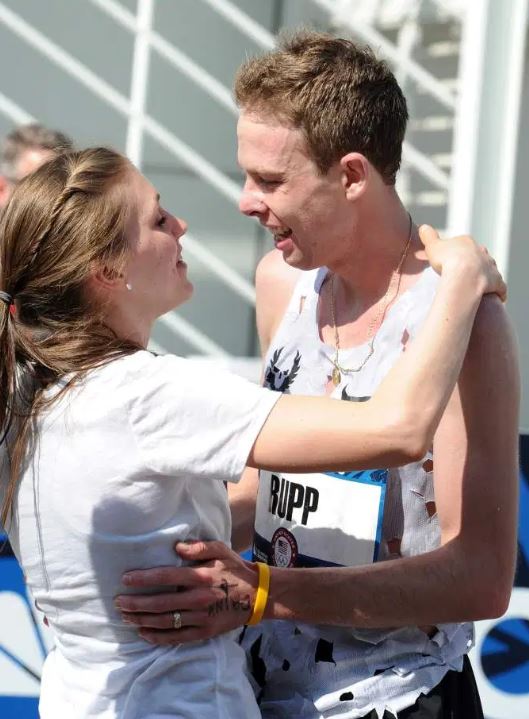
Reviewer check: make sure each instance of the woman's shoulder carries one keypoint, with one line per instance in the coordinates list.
(144, 375)
(142, 364)
(132, 377)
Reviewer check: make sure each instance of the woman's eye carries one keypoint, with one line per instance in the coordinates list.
(161, 222)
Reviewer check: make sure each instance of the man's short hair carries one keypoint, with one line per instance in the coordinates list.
(29, 137)
(341, 96)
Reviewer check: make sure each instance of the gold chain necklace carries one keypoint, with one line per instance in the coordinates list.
(337, 369)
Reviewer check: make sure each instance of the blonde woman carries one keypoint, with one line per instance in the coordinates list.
(110, 454)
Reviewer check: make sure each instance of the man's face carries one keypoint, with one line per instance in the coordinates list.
(306, 212)
(29, 161)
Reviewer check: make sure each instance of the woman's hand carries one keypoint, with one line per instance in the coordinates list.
(463, 255)
(212, 598)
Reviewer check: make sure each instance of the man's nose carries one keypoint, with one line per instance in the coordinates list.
(251, 202)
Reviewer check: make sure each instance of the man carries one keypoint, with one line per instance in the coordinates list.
(24, 150)
(320, 133)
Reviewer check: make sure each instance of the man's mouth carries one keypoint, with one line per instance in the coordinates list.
(281, 236)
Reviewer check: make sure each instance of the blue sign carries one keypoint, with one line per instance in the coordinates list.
(505, 656)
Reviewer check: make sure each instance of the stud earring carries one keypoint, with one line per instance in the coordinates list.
(128, 286)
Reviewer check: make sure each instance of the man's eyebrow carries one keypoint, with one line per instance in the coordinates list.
(262, 171)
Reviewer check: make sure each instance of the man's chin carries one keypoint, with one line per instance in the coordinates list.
(298, 261)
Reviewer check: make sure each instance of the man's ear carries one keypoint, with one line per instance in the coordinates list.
(355, 174)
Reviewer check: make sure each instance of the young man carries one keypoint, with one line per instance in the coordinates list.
(25, 149)
(400, 563)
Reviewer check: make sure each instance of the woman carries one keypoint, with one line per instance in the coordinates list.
(112, 454)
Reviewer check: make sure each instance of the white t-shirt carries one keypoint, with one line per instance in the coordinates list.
(125, 465)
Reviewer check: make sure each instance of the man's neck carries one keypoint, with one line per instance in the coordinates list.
(375, 251)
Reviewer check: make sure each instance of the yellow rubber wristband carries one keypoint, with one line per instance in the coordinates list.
(261, 597)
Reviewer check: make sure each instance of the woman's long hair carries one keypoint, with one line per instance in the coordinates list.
(60, 222)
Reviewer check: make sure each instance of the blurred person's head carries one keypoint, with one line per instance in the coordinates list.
(88, 261)
(24, 150)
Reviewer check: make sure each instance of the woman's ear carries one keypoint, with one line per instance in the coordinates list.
(106, 277)
(355, 174)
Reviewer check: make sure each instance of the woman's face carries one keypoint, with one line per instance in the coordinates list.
(154, 271)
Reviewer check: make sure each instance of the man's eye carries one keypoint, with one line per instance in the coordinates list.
(161, 222)
(269, 182)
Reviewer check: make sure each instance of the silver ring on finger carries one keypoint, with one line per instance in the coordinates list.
(177, 620)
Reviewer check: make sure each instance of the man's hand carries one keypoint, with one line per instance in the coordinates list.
(212, 598)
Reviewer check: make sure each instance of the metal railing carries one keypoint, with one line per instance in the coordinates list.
(391, 52)
(14, 112)
(178, 59)
(139, 80)
(406, 67)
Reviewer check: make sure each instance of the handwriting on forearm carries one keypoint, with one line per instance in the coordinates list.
(227, 603)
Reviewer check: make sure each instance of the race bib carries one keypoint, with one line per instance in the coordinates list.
(313, 520)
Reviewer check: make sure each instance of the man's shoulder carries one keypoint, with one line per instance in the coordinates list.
(493, 335)
(273, 271)
(493, 346)
(274, 284)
